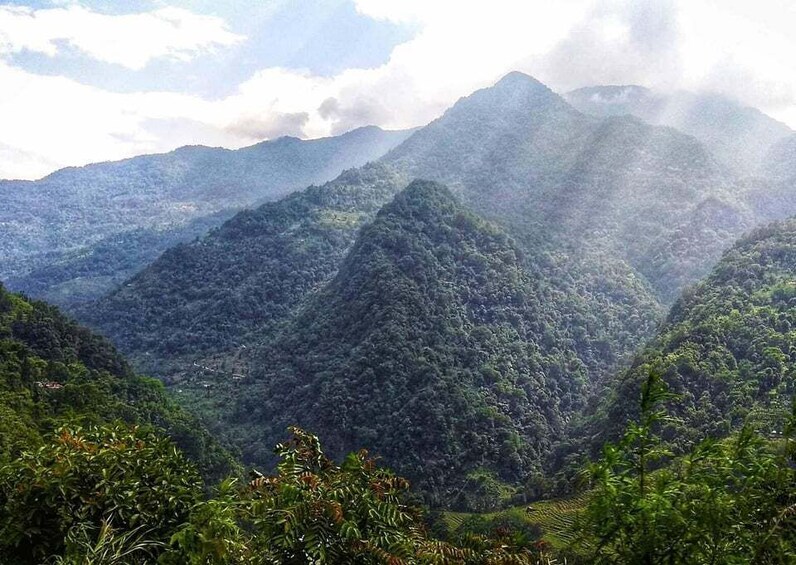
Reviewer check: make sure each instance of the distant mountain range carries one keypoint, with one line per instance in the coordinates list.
(79, 232)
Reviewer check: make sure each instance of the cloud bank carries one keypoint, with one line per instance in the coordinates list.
(727, 46)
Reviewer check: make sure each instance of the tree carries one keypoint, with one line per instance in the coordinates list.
(315, 511)
(729, 501)
(88, 483)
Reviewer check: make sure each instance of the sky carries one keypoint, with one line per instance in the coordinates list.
(88, 81)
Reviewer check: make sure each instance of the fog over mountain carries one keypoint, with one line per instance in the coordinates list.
(739, 136)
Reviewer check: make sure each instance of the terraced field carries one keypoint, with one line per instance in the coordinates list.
(555, 518)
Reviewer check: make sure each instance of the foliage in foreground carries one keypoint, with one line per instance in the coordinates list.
(55, 373)
(114, 494)
(73, 493)
(314, 511)
(730, 501)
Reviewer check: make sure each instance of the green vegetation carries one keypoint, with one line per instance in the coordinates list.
(729, 501)
(115, 494)
(85, 274)
(545, 523)
(476, 340)
(112, 494)
(432, 338)
(54, 372)
(237, 285)
(85, 482)
(727, 347)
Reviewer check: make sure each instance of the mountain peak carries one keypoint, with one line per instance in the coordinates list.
(515, 92)
(426, 189)
(516, 79)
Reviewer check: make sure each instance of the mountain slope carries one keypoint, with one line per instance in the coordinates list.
(620, 214)
(434, 346)
(739, 136)
(727, 347)
(780, 161)
(517, 133)
(53, 371)
(237, 284)
(72, 210)
(559, 180)
(84, 275)
(613, 217)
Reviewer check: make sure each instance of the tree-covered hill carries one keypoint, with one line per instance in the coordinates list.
(435, 346)
(739, 136)
(61, 219)
(54, 372)
(727, 347)
(235, 286)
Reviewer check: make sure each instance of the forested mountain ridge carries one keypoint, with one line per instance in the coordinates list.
(63, 218)
(517, 114)
(739, 136)
(54, 372)
(434, 346)
(562, 181)
(236, 285)
(726, 348)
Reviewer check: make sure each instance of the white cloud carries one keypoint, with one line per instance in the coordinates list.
(129, 40)
(460, 46)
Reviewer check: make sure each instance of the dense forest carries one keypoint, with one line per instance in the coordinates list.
(607, 219)
(235, 286)
(114, 494)
(620, 215)
(726, 347)
(432, 323)
(55, 373)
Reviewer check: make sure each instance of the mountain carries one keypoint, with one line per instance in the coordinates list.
(54, 372)
(649, 197)
(83, 275)
(726, 347)
(435, 346)
(780, 161)
(739, 136)
(217, 293)
(500, 141)
(236, 285)
(612, 217)
(64, 220)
